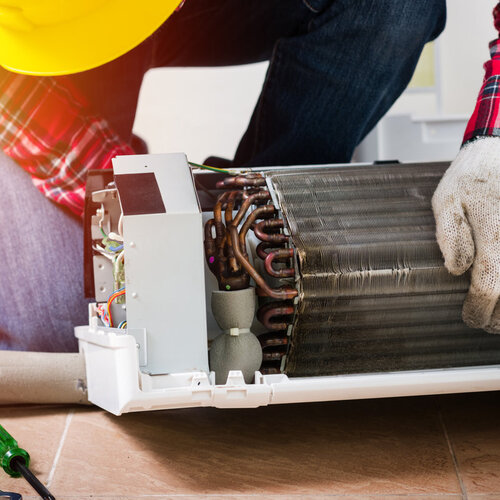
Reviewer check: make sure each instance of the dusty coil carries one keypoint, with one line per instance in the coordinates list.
(374, 295)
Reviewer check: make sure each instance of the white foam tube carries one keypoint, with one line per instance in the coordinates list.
(41, 377)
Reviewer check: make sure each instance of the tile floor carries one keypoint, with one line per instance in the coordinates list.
(445, 447)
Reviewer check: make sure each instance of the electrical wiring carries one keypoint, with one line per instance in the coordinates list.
(123, 325)
(108, 245)
(101, 220)
(112, 298)
(118, 272)
(120, 226)
(213, 169)
(115, 237)
(103, 252)
(103, 315)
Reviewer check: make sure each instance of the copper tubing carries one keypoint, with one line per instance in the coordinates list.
(281, 254)
(219, 226)
(233, 265)
(272, 339)
(220, 266)
(259, 195)
(248, 180)
(261, 228)
(209, 244)
(226, 279)
(226, 256)
(232, 197)
(267, 313)
(276, 293)
(238, 282)
(270, 370)
(227, 199)
(261, 249)
(256, 214)
(272, 356)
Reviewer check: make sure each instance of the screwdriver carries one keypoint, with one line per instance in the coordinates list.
(15, 462)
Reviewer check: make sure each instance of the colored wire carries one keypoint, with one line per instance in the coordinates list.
(102, 232)
(214, 169)
(113, 297)
(123, 324)
(116, 249)
(102, 314)
(103, 252)
(120, 225)
(117, 259)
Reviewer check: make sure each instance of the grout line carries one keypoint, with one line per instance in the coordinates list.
(453, 456)
(69, 417)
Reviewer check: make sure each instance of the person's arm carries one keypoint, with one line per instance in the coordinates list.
(48, 128)
(485, 121)
(467, 203)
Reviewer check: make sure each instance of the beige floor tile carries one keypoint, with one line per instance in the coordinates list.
(38, 430)
(473, 426)
(266, 497)
(361, 447)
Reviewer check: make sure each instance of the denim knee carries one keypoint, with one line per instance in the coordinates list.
(409, 23)
(393, 26)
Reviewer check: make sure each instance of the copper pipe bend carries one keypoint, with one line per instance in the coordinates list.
(276, 293)
(281, 254)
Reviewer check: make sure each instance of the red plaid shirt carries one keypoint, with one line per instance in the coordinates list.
(485, 120)
(48, 128)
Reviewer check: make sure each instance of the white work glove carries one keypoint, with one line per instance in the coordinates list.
(466, 206)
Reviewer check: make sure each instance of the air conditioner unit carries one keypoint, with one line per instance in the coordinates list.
(274, 285)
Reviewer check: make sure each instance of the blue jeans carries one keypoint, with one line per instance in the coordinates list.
(336, 66)
(41, 287)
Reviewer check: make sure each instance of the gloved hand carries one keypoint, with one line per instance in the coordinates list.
(466, 206)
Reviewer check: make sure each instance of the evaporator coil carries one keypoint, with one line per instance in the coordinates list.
(348, 270)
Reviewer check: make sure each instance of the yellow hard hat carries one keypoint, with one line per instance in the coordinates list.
(59, 37)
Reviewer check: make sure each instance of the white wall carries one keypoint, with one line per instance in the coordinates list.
(199, 111)
(461, 52)
(205, 111)
(464, 49)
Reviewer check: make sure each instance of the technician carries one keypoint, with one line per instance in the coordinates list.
(68, 96)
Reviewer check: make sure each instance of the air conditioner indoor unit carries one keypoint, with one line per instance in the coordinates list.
(274, 285)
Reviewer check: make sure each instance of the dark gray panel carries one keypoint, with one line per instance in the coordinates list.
(139, 194)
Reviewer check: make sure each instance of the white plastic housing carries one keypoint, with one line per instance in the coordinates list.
(116, 384)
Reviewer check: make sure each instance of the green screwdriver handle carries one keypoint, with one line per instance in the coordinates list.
(10, 450)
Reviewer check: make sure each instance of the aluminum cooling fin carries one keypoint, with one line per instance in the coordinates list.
(373, 291)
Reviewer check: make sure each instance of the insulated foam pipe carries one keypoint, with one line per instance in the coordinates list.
(237, 348)
(235, 309)
(41, 377)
